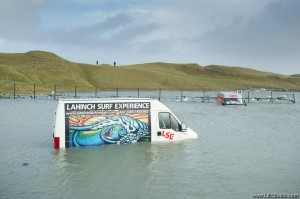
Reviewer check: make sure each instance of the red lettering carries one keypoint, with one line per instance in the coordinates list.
(167, 135)
(171, 136)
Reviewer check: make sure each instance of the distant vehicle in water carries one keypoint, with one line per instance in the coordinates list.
(230, 98)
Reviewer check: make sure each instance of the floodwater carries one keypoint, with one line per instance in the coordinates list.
(241, 151)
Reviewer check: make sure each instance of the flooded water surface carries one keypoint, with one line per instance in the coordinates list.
(241, 151)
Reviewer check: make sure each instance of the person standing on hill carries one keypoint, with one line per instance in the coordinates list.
(114, 64)
(97, 62)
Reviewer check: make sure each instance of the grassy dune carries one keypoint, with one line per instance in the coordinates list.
(44, 68)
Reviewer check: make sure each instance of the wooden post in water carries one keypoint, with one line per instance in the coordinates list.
(159, 94)
(117, 92)
(248, 97)
(294, 101)
(75, 90)
(14, 90)
(96, 92)
(271, 96)
(54, 93)
(181, 96)
(203, 96)
(33, 91)
(138, 92)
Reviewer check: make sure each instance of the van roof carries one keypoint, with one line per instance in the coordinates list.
(228, 93)
(155, 103)
(110, 99)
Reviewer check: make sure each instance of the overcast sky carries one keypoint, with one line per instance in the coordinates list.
(258, 34)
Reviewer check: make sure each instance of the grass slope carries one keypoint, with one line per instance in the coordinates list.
(38, 67)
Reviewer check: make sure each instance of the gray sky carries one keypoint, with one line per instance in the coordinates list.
(258, 34)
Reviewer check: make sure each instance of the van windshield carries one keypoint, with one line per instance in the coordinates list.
(232, 100)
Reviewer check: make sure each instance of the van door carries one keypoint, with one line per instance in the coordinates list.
(168, 127)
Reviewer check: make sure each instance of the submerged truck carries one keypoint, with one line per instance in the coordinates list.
(230, 98)
(95, 122)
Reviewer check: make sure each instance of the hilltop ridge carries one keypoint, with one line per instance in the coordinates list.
(41, 67)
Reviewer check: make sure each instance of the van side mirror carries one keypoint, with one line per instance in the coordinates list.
(183, 127)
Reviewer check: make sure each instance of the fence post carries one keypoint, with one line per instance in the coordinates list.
(159, 94)
(294, 101)
(248, 97)
(138, 92)
(54, 93)
(14, 90)
(33, 91)
(271, 96)
(180, 96)
(96, 92)
(75, 92)
(117, 92)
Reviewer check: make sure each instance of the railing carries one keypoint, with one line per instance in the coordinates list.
(34, 91)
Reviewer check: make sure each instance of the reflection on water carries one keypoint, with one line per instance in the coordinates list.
(240, 151)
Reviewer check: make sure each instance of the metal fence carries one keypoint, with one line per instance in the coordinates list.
(54, 92)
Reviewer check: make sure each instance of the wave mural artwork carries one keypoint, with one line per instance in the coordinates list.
(88, 126)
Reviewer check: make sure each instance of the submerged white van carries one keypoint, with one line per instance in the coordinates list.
(94, 122)
(230, 98)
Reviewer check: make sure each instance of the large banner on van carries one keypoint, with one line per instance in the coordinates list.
(94, 124)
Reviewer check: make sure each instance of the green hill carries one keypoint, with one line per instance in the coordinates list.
(44, 68)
